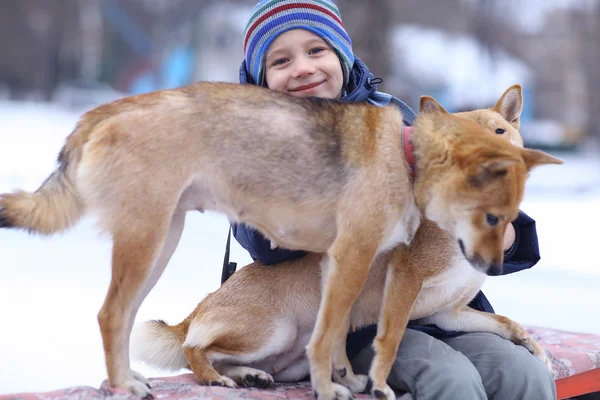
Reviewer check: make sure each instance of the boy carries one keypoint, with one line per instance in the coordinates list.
(302, 48)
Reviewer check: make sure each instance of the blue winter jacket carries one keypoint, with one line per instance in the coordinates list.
(362, 86)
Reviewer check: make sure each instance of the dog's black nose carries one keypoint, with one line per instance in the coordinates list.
(494, 270)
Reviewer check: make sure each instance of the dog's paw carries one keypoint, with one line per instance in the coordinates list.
(137, 384)
(541, 354)
(247, 376)
(526, 340)
(520, 336)
(334, 391)
(223, 381)
(258, 379)
(537, 351)
(385, 393)
(356, 383)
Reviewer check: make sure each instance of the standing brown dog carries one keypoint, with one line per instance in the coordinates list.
(254, 329)
(317, 175)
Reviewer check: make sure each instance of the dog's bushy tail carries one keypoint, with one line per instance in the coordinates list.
(56, 205)
(159, 345)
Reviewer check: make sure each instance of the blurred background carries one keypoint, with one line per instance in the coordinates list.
(60, 58)
(462, 52)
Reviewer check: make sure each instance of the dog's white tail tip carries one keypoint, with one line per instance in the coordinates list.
(153, 343)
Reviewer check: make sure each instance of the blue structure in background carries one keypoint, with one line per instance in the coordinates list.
(129, 29)
(528, 104)
(176, 69)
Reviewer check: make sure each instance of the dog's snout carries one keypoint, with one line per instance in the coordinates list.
(494, 270)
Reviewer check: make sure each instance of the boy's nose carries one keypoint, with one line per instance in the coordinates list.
(303, 67)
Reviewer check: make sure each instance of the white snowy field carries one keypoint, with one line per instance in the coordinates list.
(52, 288)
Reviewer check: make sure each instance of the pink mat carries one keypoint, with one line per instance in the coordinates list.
(176, 387)
(571, 354)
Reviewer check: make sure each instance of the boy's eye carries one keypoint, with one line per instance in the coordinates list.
(279, 61)
(316, 50)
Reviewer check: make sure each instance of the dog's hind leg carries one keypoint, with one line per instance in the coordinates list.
(203, 369)
(342, 370)
(140, 255)
(228, 346)
(349, 264)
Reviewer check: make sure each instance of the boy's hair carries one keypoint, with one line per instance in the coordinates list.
(271, 18)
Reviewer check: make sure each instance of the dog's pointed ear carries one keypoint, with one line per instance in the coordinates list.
(510, 105)
(534, 158)
(491, 169)
(429, 104)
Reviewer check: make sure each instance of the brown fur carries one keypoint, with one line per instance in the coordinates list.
(318, 175)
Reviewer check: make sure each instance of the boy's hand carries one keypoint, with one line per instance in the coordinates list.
(509, 236)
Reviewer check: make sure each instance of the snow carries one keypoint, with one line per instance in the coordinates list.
(531, 15)
(52, 288)
(463, 66)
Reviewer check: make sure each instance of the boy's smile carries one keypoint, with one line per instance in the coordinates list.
(302, 64)
(308, 88)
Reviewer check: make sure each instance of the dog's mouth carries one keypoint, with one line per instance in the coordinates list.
(477, 262)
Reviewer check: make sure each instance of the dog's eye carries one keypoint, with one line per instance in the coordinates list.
(500, 131)
(492, 220)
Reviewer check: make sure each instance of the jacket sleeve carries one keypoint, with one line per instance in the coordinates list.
(525, 252)
(260, 248)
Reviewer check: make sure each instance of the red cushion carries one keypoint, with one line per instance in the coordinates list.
(571, 353)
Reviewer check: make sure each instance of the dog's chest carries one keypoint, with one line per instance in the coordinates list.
(455, 286)
(404, 229)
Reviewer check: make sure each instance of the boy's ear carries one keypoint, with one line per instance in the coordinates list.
(428, 104)
(510, 105)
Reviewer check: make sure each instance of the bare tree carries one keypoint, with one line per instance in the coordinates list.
(591, 59)
(31, 42)
(369, 24)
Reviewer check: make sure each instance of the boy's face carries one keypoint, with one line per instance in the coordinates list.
(302, 64)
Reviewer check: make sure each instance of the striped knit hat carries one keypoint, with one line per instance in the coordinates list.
(271, 18)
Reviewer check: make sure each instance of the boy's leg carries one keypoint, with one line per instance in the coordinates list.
(428, 369)
(508, 371)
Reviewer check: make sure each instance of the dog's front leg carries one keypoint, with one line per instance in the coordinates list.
(466, 319)
(349, 264)
(402, 286)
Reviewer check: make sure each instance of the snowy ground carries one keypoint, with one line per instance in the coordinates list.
(52, 288)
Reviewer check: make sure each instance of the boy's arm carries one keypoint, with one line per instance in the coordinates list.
(260, 248)
(525, 252)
